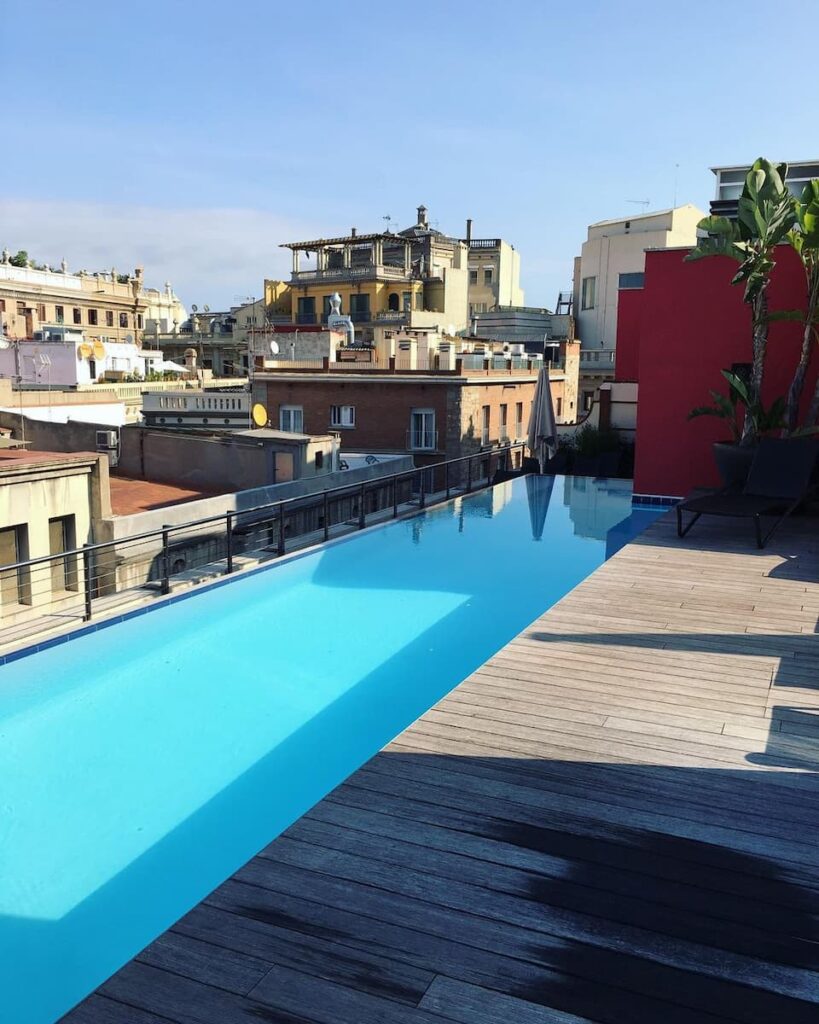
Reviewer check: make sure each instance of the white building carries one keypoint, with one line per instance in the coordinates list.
(60, 356)
(612, 259)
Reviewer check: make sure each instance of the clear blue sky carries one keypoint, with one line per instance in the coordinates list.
(196, 137)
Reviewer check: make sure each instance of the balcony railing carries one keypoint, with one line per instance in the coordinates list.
(306, 318)
(371, 270)
(422, 440)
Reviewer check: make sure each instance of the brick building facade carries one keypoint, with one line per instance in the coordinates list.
(433, 416)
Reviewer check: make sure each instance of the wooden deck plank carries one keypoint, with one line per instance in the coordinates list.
(615, 818)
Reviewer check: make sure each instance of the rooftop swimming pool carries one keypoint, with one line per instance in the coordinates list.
(143, 763)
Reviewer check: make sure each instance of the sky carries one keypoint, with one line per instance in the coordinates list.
(194, 138)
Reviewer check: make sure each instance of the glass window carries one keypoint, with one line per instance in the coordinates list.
(422, 433)
(473, 276)
(291, 419)
(92, 318)
(342, 415)
(109, 318)
(587, 295)
(559, 407)
(77, 315)
(631, 280)
(488, 275)
(59, 314)
(486, 418)
(123, 319)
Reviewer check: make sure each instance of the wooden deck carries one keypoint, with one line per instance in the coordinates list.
(615, 819)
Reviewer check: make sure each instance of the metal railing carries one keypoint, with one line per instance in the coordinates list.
(101, 578)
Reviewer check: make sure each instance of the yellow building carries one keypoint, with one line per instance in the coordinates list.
(417, 277)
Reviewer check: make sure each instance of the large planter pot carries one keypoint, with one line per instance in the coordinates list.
(733, 462)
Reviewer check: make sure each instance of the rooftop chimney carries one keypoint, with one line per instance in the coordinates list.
(423, 222)
(469, 231)
(352, 232)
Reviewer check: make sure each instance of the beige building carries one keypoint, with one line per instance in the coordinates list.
(106, 306)
(494, 274)
(49, 503)
(613, 258)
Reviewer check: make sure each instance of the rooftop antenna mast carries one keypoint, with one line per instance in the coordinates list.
(676, 177)
(388, 220)
(640, 202)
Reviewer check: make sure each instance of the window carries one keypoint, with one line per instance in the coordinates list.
(473, 276)
(59, 314)
(587, 293)
(109, 318)
(306, 311)
(588, 399)
(631, 280)
(21, 309)
(15, 585)
(504, 433)
(319, 460)
(393, 302)
(559, 407)
(342, 415)
(422, 433)
(41, 312)
(406, 301)
(76, 314)
(360, 308)
(519, 419)
(488, 275)
(2, 305)
(92, 318)
(61, 537)
(291, 419)
(486, 414)
(140, 321)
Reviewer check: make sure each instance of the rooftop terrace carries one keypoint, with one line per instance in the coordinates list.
(613, 819)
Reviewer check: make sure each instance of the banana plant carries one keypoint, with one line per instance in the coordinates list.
(726, 408)
(804, 238)
(765, 216)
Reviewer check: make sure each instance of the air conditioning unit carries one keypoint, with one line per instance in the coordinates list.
(517, 349)
(107, 439)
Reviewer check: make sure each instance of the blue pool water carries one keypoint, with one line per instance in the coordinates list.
(142, 764)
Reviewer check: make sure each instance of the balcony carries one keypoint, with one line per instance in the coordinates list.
(422, 440)
(368, 272)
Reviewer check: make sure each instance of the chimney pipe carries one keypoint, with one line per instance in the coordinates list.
(352, 232)
(469, 231)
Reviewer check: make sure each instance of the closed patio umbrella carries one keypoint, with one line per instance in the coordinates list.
(542, 437)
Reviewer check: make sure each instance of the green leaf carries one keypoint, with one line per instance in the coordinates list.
(786, 314)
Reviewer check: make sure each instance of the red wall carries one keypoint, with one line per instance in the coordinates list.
(629, 325)
(680, 330)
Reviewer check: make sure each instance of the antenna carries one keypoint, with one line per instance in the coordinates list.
(640, 202)
(676, 176)
(388, 219)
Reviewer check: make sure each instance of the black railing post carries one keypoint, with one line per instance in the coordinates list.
(326, 515)
(166, 560)
(229, 537)
(395, 497)
(362, 514)
(281, 529)
(87, 583)
(446, 477)
(421, 492)
(469, 474)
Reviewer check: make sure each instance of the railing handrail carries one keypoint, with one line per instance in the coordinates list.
(236, 513)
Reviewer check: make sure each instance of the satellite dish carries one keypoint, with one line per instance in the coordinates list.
(4, 342)
(99, 350)
(274, 347)
(206, 309)
(129, 338)
(194, 307)
(259, 415)
(85, 351)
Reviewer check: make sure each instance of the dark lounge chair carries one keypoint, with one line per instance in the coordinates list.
(777, 483)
